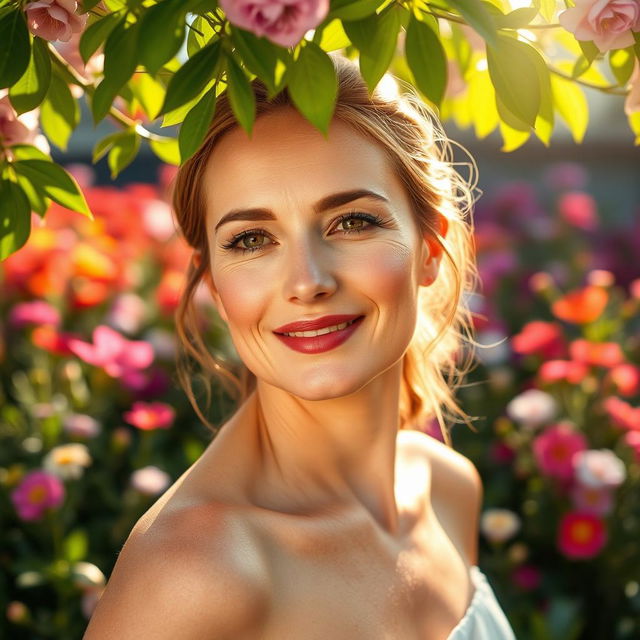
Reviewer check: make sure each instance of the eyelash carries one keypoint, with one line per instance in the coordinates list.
(232, 245)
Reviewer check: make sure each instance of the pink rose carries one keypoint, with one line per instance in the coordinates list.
(54, 19)
(608, 23)
(281, 21)
(19, 129)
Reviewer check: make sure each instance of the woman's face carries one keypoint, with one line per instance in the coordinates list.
(302, 227)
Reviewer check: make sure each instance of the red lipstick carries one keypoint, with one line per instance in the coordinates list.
(324, 342)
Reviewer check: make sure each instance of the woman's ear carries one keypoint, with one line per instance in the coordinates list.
(433, 252)
(207, 278)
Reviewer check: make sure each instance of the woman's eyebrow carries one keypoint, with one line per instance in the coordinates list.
(328, 202)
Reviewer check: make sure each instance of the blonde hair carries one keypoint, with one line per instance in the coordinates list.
(421, 154)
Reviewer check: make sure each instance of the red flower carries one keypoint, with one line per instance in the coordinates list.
(565, 370)
(597, 354)
(581, 535)
(52, 340)
(541, 338)
(581, 306)
(626, 378)
(622, 413)
(150, 415)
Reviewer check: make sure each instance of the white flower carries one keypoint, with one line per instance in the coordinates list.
(81, 425)
(68, 460)
(532, 408)
(150, 480)
(599, 468)
(499, 525)
(86, 575)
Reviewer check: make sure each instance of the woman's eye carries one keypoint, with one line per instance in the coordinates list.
(350, 224)
(357, 221)
(252, 241)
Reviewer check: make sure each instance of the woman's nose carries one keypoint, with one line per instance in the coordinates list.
(309, 272)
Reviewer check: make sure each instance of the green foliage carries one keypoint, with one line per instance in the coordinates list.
(487, 64)
(15, 218)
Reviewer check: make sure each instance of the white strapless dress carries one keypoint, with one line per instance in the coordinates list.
(484, 619)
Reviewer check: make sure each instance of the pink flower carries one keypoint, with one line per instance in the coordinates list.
(54, 19)
(598, 354)
(581, 535)
(282, 21)
(19, 129)
(563, 370)
(527, 577)
(632, 101)
(36, 312)
(626, 378)
(608, 23)
(114, 353)
(37, 492)
(599, 469)
(578, 209)
(554, 449)
(540, 338)
(622, 414)
(632, 439)
(598, 501)
(150, 480)
(150, 415)
(532, 408)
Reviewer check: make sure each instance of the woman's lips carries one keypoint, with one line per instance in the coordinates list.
(325, 342)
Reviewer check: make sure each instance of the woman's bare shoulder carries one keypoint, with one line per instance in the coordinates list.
(456, 489)
(193, 572)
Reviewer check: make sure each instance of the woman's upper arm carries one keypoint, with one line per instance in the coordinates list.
(159, 590)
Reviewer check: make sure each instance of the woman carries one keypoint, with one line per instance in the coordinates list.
(339, 265)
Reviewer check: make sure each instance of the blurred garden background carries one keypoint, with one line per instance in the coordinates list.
(94, 426)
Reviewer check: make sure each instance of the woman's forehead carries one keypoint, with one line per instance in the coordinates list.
(287, 157)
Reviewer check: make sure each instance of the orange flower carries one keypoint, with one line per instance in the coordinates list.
(597, 354)
(582, 305)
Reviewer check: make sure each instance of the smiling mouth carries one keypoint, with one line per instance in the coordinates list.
(320, 332)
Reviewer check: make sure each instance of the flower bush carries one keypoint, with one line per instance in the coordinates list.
(558, 442)
(93, 426)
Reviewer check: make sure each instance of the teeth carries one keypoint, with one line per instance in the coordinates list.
(320, 332)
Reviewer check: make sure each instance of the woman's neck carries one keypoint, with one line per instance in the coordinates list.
(326, 454)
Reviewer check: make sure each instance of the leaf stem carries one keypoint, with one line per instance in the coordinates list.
(612, 89)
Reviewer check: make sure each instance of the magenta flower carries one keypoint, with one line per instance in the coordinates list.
(527, 577)
(581, 535)
(36, 312)
(282, 21)
(150, 415)
(37, 492)
(54, 19)
(555, 447)
(114, 353)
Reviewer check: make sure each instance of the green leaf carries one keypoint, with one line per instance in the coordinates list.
(120, 59)
(543, 127)
(148, 92)
(517, 19)
(15, 218)
(55, 182)
(313, 86)
(482, 98)
(191, 78)
(376, 39)
(426, 59)
(589, 50)
(38, 200)
(196, 125)
(95, 34)
(332, 37)
(547, 9)
(241, 96)
(87, 5)
(167, 150)
(512, 138)
(15, 47)
(29, 91)
(580, 66)
(634, 125)
(102, 146)
(123, 151)
(349, 10)
(572, 105)
(28, 152)
(59, 113)
(477, 16)
(195, 41)
(163, 26)
(76, 545)
(621, 62)
(260, 56)
(511, 69)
